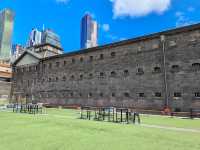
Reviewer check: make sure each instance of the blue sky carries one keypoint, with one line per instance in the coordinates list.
(118, 19)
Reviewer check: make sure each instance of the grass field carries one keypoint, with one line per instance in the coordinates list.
(62, 130)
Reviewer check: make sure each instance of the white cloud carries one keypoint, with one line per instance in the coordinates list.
(182, 19)
(62, 1)
(106, 27)
(138, 8)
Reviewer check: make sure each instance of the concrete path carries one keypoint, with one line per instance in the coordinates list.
(170, 128)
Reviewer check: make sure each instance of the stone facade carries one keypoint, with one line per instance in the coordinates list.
(148, 72)
(5, 90)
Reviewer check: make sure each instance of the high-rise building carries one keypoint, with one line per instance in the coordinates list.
(35, 38)
(50, 37)
(17, 50)
(6, 30)
(89, 32)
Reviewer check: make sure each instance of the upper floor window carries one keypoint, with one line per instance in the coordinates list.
(157, 70)
(72, 76)
(81, 59)
(44, 66)
(196, 66)
(101, 56)
(57, 64)
(90, 75)
(64, 78)
(126, 73)
(113, 54)
(113, 95)
(71, 94)
(29, 68)
(73, 60)
(197, 94)
(90, 95)
(36, 68)
(177, 94)
(126, 94)
(158, 94)
(175, 68)
(141, 94)
(113, 74)
(81, 76)
(64, 63)
(101, 94)
(102, 74)
(140, 71)
(91, 58)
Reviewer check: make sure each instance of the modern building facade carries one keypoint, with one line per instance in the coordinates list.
(6, 30)
(17, 50)
(35, 38)
(89, 32)
(48, 36)
(149, 72)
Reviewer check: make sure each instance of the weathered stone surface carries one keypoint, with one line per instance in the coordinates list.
(108, 75)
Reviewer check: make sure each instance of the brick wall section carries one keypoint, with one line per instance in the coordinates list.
(113, 79)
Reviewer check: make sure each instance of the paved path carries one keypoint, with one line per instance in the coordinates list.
(170, 128)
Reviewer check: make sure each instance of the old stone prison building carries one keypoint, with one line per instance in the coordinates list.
(148, 72)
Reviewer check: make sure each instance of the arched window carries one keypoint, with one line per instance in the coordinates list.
(112, 54)
(90, 95)
(126, 73)
(72, 77)
(157, 69)
(113, 94)
(177, 94)
(64, 78)
(81, 59)
(113, 74)
(158, 94)
(126, 94)
(140, 71)
(73, 60)
(101, 56)
(90, 75)
(196, 66)
(91, 58)
(101, 94)
(81, 76)
(175, 68)
(102, 74)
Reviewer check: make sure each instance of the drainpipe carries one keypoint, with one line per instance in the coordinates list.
(163, 41)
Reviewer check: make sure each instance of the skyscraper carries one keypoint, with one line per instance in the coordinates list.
(50, 37)
(6, 30)
(89, 32)
(35, 38)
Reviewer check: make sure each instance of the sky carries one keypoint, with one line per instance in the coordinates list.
(118, 19)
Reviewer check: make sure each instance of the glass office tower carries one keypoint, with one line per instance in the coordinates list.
(89, 32)
(48, 36)
(6, 30)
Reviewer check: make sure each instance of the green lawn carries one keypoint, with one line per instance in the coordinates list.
(62, 130)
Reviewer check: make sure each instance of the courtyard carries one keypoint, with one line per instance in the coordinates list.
(61, 129)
